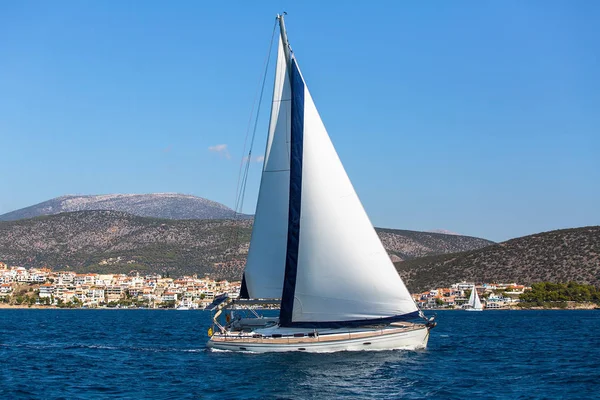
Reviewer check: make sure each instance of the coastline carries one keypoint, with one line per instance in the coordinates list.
(8, 306)
(43, 307)
(571, 306)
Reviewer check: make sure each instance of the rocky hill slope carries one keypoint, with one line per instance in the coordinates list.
(555, 256)
(406, 245)
(156, 205)
(112, 241)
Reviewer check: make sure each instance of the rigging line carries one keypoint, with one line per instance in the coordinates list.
(241, 188)
(262, 90)
(252, 114)
(249, 157)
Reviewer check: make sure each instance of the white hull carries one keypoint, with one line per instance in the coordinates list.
(473, 309)
(353, 340)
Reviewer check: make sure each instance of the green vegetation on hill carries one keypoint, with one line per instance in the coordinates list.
(555, 256)
(545, 294)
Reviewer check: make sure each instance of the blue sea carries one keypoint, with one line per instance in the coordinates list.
(158, 354)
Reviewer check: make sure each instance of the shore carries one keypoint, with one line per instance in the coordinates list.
(2, 305)
(571, 305)
(574, 306)
(41, 307)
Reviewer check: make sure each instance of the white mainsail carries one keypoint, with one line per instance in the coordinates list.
(266, 257)
(343, 272)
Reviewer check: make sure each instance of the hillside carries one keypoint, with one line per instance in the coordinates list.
(555, 256)
(156, 205)
(406, 245)
(112, 241)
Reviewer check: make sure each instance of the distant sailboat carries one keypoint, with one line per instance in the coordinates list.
(474, 303)
(313, 247)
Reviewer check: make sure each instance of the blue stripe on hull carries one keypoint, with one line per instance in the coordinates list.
(293, 240)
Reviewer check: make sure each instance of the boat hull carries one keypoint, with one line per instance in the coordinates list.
(473, 309)
(391, 338)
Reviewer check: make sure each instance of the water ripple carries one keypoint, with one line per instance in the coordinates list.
(161, 355)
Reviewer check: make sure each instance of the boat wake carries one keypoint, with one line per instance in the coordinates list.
(75, 346)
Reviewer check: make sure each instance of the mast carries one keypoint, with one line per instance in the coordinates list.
(284, 39)
(265, 265)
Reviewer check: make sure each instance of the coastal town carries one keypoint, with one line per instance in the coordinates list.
(494, 295)
(44, 287)
(20, 286)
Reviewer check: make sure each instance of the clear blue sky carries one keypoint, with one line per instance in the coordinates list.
(480, 117)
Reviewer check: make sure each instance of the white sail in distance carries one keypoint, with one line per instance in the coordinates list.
(474, 301)
(265, 264)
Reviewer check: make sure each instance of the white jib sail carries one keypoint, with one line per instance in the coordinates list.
(343, 273)
(265, 264)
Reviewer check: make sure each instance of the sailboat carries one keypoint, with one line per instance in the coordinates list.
(474, 303)
(313, 249)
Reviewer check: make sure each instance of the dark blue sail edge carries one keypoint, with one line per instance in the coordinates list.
(244, 289)
(354, 323)
(293, 240)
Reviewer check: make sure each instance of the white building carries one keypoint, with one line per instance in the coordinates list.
(46, 290)
(169, 296)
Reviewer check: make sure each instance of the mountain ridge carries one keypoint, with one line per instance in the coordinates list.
(85, 240)
(156, 205)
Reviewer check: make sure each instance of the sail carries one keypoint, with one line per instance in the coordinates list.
(477, 305)
(337, 271)
(472, 297)
(474, 301)
(266, 256)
